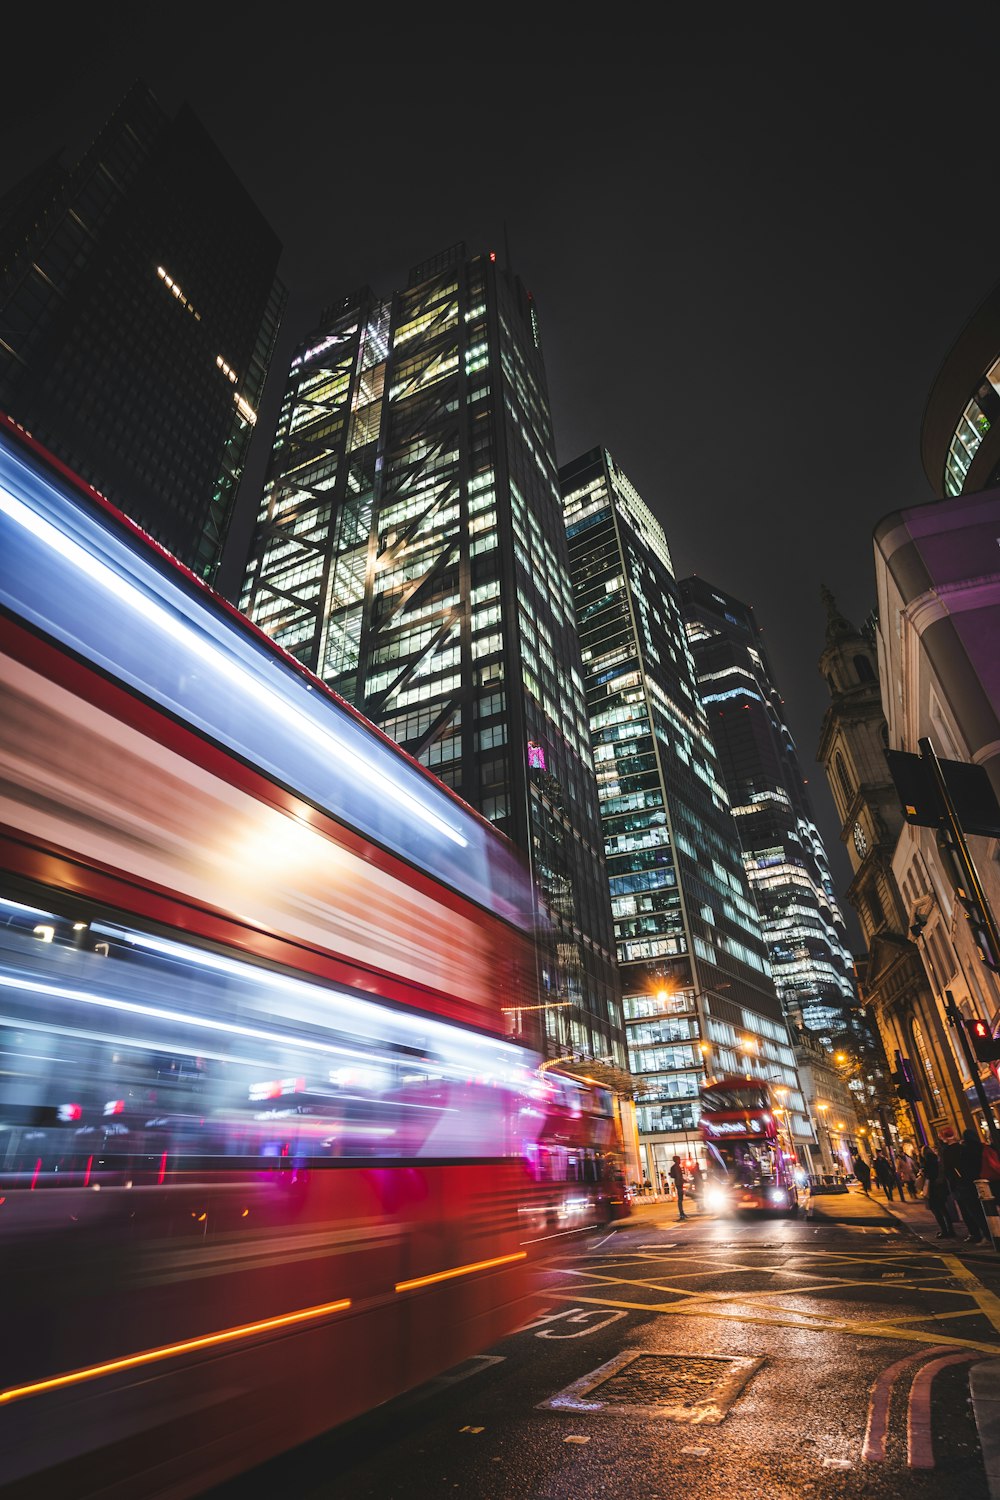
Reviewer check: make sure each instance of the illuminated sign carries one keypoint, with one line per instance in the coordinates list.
(734, 1127)
(536, 756)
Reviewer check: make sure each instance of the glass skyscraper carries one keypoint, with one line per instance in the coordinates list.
(410, 550)
(139, 306)
(697, 990)
(783, 851)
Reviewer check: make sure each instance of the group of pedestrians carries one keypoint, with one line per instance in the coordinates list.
(950, 1174)
(944, 1175)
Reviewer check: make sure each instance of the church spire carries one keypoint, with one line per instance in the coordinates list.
(838, 627)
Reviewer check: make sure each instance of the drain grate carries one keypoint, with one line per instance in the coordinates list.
(675, 1387)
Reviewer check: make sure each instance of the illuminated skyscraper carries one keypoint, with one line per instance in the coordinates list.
(783, 850)
(696, 984)
(138, 310)
(410, 550)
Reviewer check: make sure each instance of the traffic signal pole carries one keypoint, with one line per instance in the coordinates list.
(906, 1088)
(957, 1021)
(970, 875)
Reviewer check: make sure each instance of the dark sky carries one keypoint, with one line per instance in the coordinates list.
(752, 233)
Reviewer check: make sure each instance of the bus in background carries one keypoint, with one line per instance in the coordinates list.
(580, 1152)
(259, 1114)
(749, 1168)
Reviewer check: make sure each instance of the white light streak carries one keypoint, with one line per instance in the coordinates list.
(189, 639)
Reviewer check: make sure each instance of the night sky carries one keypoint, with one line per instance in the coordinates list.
(752, 234)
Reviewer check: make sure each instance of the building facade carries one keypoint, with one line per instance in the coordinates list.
(786, 862)
(410, 551)
(696, 981)
(139, 305)
(827, 1084)
(893, 984)
(960, 431)
(938, 587)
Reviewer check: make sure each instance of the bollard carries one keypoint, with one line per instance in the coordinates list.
(991, 1210)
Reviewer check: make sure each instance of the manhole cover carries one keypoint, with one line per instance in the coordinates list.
(675, 1387)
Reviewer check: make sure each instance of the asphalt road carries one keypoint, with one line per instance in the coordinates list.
(824, 1356)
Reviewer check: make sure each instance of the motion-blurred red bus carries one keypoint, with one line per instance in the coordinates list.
(748, 1165)
(267, 1157)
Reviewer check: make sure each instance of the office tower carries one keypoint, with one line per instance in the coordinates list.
(960, 429)
(783, 851)
(697, 991)
(138, 310)
(410, 551)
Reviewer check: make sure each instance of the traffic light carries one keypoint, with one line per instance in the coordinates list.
(905, 1087)
(980, 930)
(984, 1044)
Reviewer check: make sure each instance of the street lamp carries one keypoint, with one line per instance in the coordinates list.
(747, 1048)
(822, 1110)
(516, 1010)
(662, 995)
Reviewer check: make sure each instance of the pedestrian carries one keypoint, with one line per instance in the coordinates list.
(936, 1186)
(677, 1176)
(862, 1171)
(989, 1167)
(885, 1174)
(664, 1185)
(963, 1167)
(698, 1186)
(906, 1171)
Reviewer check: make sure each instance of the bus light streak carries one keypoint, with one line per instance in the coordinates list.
(479, 1265)
(170, 1351)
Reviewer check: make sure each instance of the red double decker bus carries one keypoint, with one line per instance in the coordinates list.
(267, 1155)
(749, 1168)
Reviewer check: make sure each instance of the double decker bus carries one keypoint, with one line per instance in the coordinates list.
(749, 1168)
(267, 1155)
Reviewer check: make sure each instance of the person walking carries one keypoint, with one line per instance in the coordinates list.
(963, 1166)
(906, 1171)
(885, 1174)
(937, 1192)
(862, 1171)
(677, 1177)
(698, 1186)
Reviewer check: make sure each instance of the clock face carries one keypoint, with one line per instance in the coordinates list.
(860, 842)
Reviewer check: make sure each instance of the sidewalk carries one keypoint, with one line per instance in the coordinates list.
(984, 1378)
(920, 1221)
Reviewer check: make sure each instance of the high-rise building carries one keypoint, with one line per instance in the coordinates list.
(139, 305)
(783, 851)
(410, 551)
(696, 981)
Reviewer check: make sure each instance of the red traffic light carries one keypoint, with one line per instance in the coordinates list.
(984, 1044)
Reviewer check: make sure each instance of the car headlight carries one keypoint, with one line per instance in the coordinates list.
(715, 1198)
